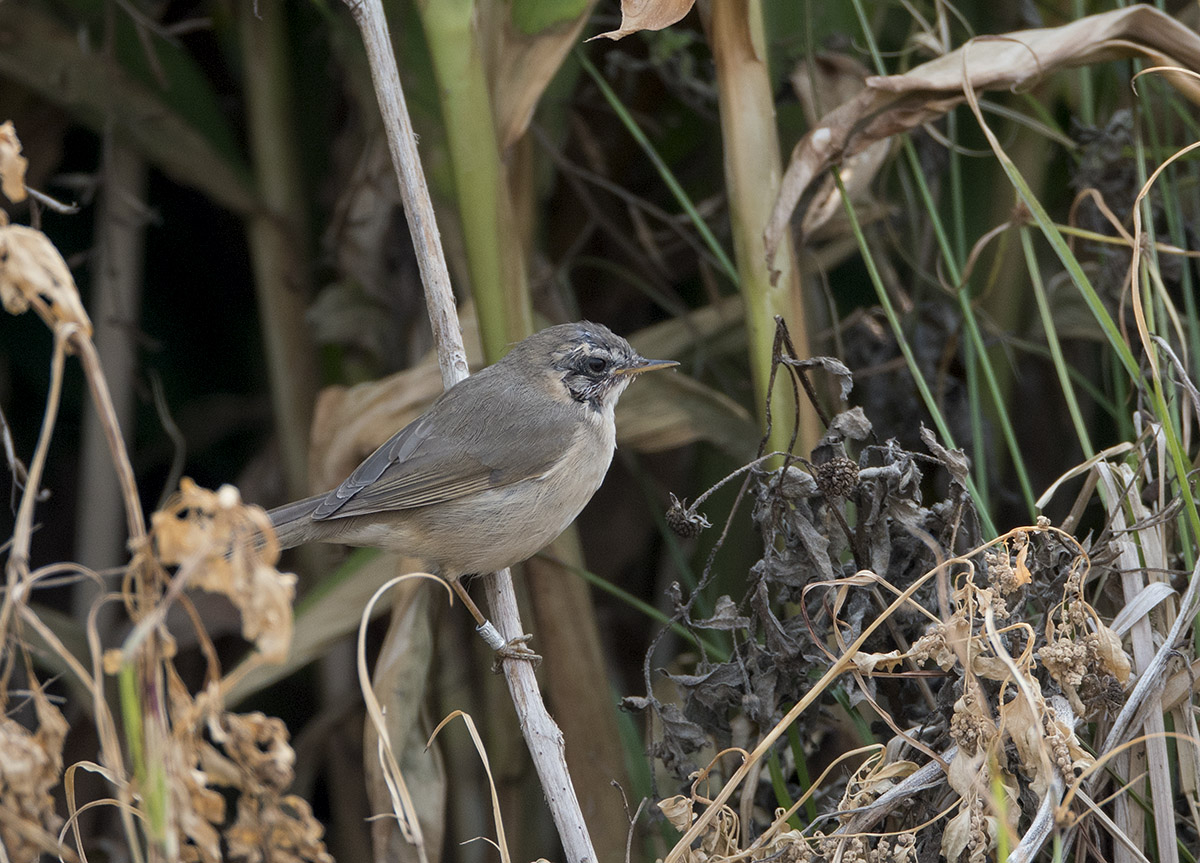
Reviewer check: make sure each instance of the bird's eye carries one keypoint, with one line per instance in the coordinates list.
(597, 364)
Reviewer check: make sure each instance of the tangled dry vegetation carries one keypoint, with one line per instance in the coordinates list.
(992, 675)
(890, 687)
(199, 782)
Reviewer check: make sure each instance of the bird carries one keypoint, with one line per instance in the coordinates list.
(500, 464)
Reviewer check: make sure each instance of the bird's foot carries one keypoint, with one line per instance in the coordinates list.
(516, 648)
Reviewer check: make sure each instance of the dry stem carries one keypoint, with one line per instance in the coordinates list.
(541, 733)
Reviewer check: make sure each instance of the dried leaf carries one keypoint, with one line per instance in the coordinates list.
(725, 617)
(957, 834)
(968, 773)
(12, 163)
(894, 104)
(258, 744)
(1024, 728)
(1021, 573)
(1112, 655)
(954, 460)
(830, 80)
(285, 828)
(224, 541)
(528, 47)
(831, 365)
(678, 811)
(647, 15)
(990, 667)
(31, 764)
(868, 662)
(33, 272)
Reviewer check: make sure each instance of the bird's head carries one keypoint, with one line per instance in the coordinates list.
(587, 362)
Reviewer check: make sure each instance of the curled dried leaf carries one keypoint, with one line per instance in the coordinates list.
(32, 272)
(284, 828)
(259, 745)
(968, 773)
(868, 662)
(1021, 573)
(1024, 725)
(229, 549)
(872, 779)
(1112, 656)
(678, 811)
(12, 163)
(971, 831)
(31, 764)
(887, 106)
(639, 15)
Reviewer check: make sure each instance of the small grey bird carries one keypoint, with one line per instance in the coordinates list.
(499, 465)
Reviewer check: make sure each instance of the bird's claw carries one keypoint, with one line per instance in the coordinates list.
(516, 648)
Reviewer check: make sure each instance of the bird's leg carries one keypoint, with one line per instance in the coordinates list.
(469, 603)
(515, 648)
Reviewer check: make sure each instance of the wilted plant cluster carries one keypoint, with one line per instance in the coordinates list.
(979, 676)
(187, 778)
(886, 682)
(226, 773)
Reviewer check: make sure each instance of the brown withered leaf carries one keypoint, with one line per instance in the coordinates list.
(834, 79)
(31, 764)
(259, 745)
(1108, 646)
(527, 50)
(958, 836)
(647, 15)
(224, 537)
(32, 272)
(678, 811)
(12, 163)
(868, 662)
(890, 105)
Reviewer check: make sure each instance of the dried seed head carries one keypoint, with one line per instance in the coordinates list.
(684, 520)
(837, 477)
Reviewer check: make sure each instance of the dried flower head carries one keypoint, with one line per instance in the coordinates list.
(684, 520)
(31, 765)
(837, 477)
(225, 546)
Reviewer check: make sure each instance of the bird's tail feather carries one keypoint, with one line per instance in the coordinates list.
(293, 521)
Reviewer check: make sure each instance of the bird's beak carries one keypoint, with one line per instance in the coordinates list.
(641, 364)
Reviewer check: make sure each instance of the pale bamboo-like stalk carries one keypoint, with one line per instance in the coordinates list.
(541, 733)
(753, 171)
(490, 230)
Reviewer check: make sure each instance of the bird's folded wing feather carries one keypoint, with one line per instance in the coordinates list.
(451, 452)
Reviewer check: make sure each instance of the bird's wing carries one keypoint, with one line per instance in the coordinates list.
(453, 450)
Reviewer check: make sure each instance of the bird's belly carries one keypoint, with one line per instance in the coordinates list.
(500, 527)
(489, 530)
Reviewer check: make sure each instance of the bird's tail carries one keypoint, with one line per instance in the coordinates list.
(293, 521)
